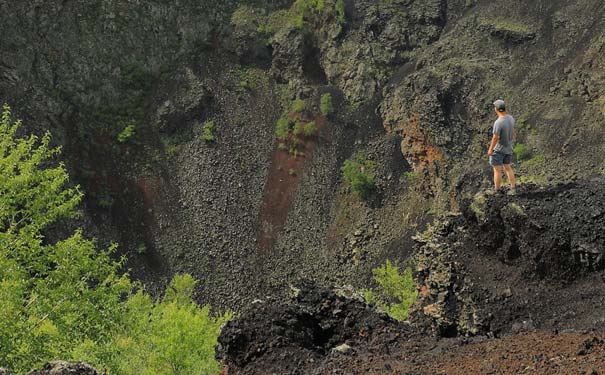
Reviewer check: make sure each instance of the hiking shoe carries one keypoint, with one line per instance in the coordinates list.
(491, 191)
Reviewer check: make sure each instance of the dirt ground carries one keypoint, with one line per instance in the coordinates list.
(532, 353)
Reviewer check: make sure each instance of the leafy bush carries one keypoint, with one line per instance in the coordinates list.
(535, 162)
(208, 131)
(521, 152)
(359, 174)
(126, 133)
(410, 176)
(299, 128)
(309, 129)
(282, 129)
(171, 336)
(326, 106)
(396, 292)
(298, 106)
(68, 300)
(340, 11)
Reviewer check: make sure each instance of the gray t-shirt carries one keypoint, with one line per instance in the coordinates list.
(503, 127)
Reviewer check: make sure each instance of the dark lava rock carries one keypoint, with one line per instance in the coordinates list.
(545, 244)
(588, 344)
(65, 368)
(296, 336)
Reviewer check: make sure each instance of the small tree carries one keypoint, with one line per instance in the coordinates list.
(172, 336)
(282, 129)
(396, 293)
(54, 295)
(299, 128)
(326, 106)
(126, 133)
(298, 106)
(359, 173)
(208, 131)
(310, 129)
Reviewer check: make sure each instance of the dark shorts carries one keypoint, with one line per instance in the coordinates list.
(499, 158)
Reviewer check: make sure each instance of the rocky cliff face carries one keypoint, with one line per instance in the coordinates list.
(412, 82)
(523, 273)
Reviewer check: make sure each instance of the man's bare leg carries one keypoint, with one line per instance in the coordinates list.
(511, 175)
(498, 176)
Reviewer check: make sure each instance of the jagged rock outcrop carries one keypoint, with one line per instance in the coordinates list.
(378, 36)
(515, 263)
(295, 336)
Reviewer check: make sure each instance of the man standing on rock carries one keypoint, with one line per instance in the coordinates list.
(501, 147)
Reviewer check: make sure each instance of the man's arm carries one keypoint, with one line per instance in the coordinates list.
(493, 144)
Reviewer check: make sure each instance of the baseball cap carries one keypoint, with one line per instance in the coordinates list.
(500, 106)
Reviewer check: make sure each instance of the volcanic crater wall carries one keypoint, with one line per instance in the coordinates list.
(412, 82)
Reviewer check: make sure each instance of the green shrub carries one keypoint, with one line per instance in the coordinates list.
(396, 293)
(126, 133)
(326, 106)
(244, 85)
(208, 131)
(340, 12)
(170, 336)
(521, 152)
(54, 295)
(310, 129)
(410, 176)
(359, 174)
(298, 106)
(299, 128)
(70, 300)
(282, 129)
(535, 162)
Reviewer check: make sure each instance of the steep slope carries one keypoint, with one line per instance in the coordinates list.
(412, 83)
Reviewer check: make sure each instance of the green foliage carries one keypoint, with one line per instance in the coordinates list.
(396, 292)
(305, 9)
(282, 130)
(309, 129)
(68, 300)
(326, 106)
(508, 25)
(535, 162)
(410, 176)
(299, 128)
(126, 133)
(208, 131)
(521, 152)
(172, 336)
(250, 78)
(298, 106)
(340, 12)
(54, 295)
(359, 174)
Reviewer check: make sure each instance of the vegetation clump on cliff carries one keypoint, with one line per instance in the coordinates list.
(395, 293)
(359, 174)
